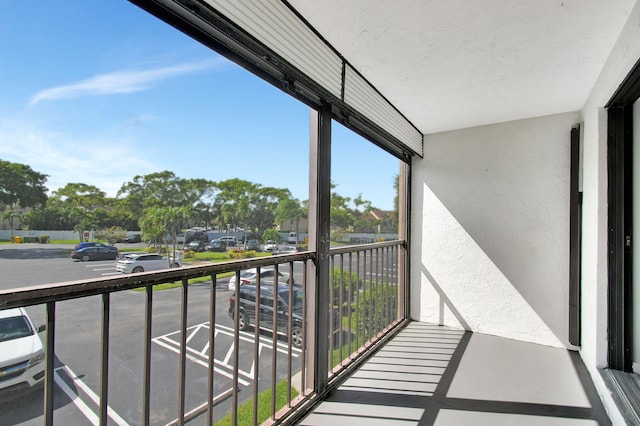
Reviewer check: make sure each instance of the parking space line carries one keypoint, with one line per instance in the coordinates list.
(204, 350)
(230, 352)
(193, 333)
(248, 337)
(253, 365)
(98, 265)
(200, 356)
(201, 362)
(78, 401)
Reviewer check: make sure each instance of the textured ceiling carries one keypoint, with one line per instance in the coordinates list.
(449, 64)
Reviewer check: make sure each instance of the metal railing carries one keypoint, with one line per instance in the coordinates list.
(364, 288)
(364, 292)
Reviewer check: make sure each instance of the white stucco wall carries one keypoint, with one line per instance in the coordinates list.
(492, 254)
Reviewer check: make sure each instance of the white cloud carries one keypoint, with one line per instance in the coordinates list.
(120, 82)
(68, 160)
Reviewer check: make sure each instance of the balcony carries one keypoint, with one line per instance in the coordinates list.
(174, 352)
(432, 375)
(119, 350)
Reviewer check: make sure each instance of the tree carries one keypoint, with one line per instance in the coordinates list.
(165, 189)
(80, 202)
(112, 234)
(396, 201)
(161, 225)
(264, 204)
(290, 209)
(21, 184)
(271, 234)
(51, 217)
(341, 215)
(240, 203)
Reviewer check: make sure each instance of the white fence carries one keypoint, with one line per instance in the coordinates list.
(53, 235)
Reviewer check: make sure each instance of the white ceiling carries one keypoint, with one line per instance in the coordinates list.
(449, 64)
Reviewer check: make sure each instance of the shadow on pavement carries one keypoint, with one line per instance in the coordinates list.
(28, 407)
(34, 253)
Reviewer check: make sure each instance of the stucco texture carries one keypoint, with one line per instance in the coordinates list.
(493, 249)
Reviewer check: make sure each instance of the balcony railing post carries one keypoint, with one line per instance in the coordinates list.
(146, 385)
(104, 360)
(212, 348)
(319, 241)
(184, 302)
(404, 233)
(274, 343)
(50, 363)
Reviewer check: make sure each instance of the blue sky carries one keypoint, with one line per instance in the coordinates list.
(98, 91)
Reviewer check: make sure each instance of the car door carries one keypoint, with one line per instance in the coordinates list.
(266, 309)
(154, 262)
(283, 314)
(97, 253)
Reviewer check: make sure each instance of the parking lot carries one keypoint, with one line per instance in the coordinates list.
(77, 380)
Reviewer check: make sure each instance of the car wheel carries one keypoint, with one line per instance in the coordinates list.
(137, 269)
(175, 265)
(296, 336)
(85, 258)
(243, 321)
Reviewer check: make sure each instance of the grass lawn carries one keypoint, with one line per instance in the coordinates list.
(245, 411)
(208, 256)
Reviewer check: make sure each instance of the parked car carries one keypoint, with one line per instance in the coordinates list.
(197, 236)
(216, 245)
(134, 238)
(285, 250)
(249, 276)
(252, 245)
(141, 262)
(90, 244)
(95, 253)
(270, 245)
(21, 353)
(247, 310)
(196, 245)
(229, 241)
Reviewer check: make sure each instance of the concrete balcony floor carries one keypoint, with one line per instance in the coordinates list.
(431, 375)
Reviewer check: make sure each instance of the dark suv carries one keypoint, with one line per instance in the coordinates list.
(196, 236)
(247, 310)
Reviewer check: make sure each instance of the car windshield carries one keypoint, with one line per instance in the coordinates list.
(14, 328)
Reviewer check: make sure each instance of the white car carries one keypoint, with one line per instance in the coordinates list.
(143, 262)
(249, 276)
(270, 245)
(21, 353)
(285, 250)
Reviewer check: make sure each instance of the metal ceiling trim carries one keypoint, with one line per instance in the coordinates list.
(278, 28)
(272, 40)
(363, 97)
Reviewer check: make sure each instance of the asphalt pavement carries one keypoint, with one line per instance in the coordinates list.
(78, 325)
